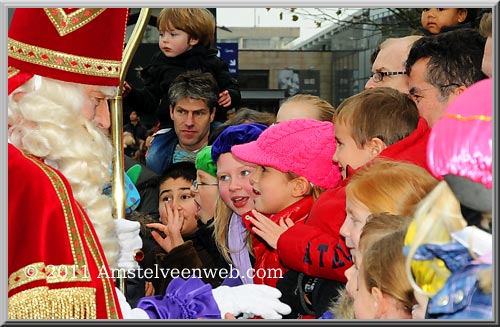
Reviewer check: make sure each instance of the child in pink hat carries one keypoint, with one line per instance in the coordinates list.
(295, 164)
(380, 122)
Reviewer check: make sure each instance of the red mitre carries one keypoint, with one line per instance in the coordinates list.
(79, 45)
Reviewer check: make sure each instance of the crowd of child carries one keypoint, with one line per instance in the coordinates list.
(325, 195)
(376, 209)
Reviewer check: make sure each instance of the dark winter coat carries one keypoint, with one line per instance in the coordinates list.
(161, 72)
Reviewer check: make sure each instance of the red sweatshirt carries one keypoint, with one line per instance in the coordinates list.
(316, 247)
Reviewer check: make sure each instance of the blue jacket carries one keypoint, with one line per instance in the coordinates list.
(460, 297)
(162, 148)
(161, 151)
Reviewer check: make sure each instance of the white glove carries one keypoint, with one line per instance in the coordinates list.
(473, 238)
(253, 299)
(130, 242)
(127, 311)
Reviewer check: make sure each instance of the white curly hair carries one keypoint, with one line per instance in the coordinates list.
(47, 122)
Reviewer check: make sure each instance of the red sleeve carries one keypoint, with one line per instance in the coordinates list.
(316, 247)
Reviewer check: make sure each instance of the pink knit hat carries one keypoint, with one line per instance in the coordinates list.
(302, 146)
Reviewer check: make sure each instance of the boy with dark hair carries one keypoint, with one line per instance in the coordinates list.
(440, 20)
(185, 245)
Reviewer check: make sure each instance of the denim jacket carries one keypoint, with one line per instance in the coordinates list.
(460, 297)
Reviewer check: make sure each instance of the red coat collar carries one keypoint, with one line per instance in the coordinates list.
(297, 211)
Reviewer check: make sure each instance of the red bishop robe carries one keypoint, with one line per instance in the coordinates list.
(57, 268)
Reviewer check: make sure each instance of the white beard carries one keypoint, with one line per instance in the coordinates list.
(47, 123)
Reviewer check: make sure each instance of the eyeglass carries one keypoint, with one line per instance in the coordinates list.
(379, 76)
(196, 184)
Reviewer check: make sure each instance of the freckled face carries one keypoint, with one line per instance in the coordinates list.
(234, 183)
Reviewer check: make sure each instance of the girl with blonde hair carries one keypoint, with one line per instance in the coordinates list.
(236, 198)
(305, 106)
(374, 281)
(384, 186)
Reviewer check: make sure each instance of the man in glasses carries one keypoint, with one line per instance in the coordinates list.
(442, 66)
(388, 64)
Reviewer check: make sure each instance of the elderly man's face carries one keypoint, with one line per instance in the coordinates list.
(95, 107)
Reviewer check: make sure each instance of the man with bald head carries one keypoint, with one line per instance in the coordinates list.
(389, 65)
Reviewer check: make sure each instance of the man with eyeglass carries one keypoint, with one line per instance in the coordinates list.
(440, 67)
(388, 64)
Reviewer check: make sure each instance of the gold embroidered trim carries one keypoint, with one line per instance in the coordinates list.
(67, 23)
(52, 274)
(75, 240)
(63, 61)
(12, 71)
(107, 283)
(468, 118)
(43, 303)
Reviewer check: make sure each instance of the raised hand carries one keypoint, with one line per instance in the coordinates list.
(126, 89)
(224, 99)
(267, 229)
(171, 225)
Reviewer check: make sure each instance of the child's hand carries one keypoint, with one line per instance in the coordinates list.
(175, 220)
(171, 226)
(224, 99)
(269, 230)
(149, 289)
(126, 89)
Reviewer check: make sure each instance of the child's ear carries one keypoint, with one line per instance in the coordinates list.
(193, 42)
(378, 302)
(462, 14)
(376, 146)
(301, 187)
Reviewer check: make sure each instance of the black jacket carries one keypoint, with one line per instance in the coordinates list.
(197, 251)
(162, 71)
